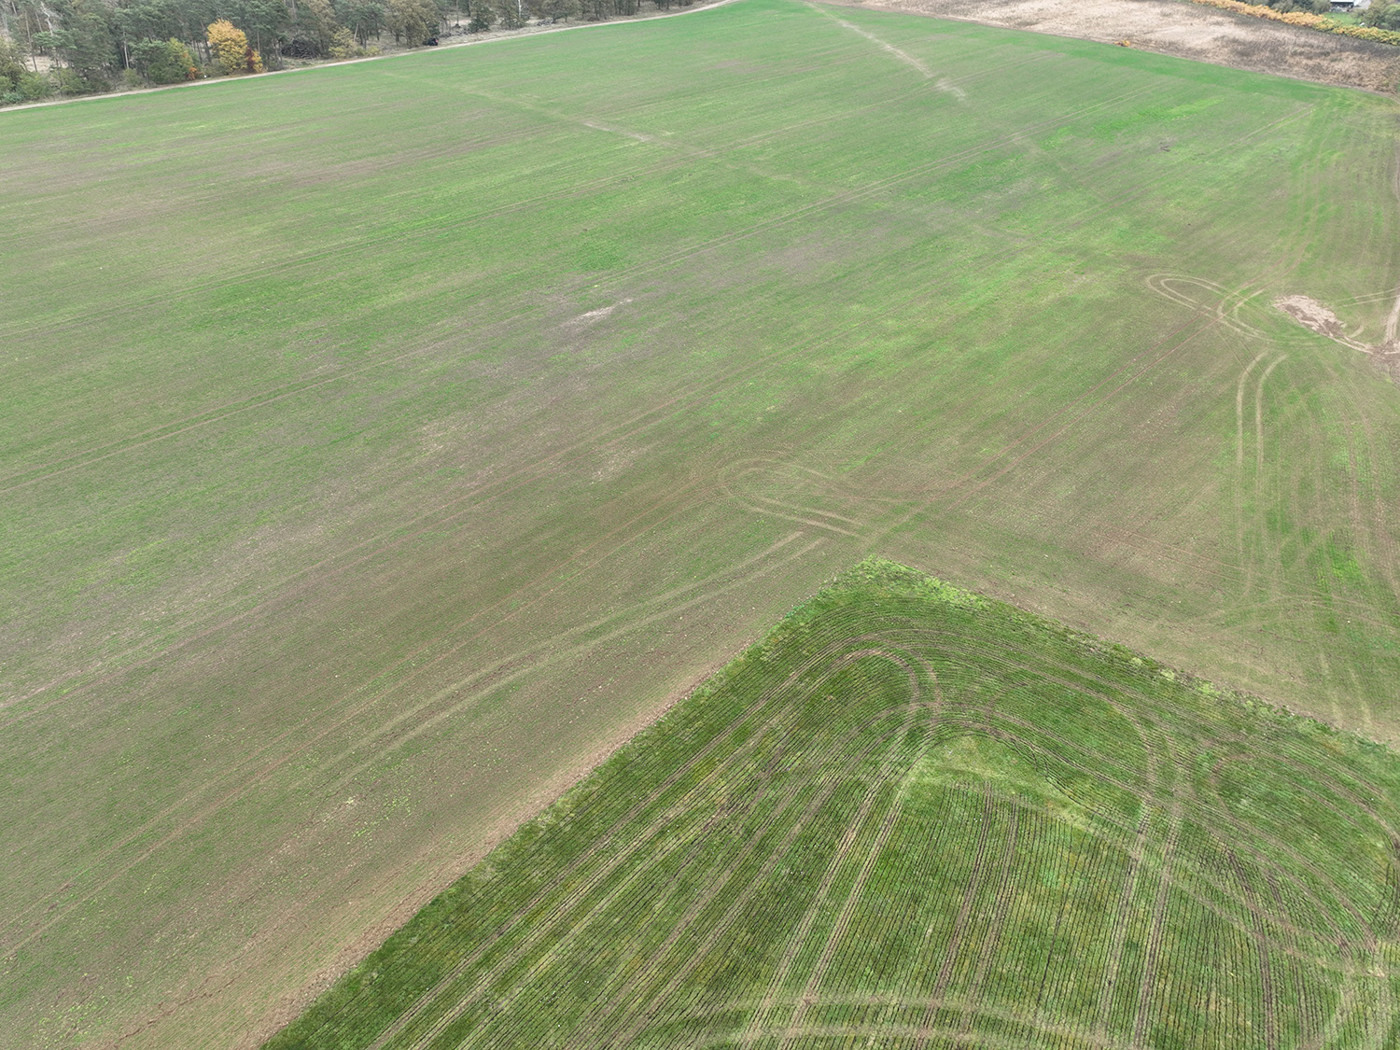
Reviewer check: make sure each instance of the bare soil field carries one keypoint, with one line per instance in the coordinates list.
(1186, 30)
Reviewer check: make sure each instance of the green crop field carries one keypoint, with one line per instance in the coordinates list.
(382, 445)
(915, 817)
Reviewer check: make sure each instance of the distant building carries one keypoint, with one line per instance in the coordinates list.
(1350, 5)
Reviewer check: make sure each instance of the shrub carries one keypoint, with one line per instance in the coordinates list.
(32, 87)
(164, 61)
(1382, 15)
(343, 44)
(11, 72)
(1308, 20)
(70, 82)
(18, 84)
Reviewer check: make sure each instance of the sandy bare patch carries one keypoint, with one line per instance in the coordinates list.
(614, 130)
(1317, 317)
(593, 316)
(1312, 314)
(1185, 30)
(1392, 327)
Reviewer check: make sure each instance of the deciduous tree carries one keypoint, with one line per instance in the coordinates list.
(229, 47)
(364, 18)
(1382, 15)
(412, 21)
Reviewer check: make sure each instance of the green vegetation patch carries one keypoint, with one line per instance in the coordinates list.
(915, 815)
(380, 443)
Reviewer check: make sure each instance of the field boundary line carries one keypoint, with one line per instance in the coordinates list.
(674, 259)
(752, 711)
(849, 738)
(554, 656)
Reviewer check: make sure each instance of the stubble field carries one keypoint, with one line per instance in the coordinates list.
(384, 444)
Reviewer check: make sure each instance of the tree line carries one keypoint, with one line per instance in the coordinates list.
(75, 47)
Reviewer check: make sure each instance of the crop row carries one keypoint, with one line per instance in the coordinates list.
(940, 825)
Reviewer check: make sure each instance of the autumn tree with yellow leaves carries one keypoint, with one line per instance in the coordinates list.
(228, 46)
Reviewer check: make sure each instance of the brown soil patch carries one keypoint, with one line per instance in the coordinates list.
(1185, 30)
(1317, 317)
(1312, 314)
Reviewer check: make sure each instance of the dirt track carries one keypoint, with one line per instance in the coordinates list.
(1187, 30)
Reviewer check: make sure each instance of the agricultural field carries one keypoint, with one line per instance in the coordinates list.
(383, 445)
(915, 817)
